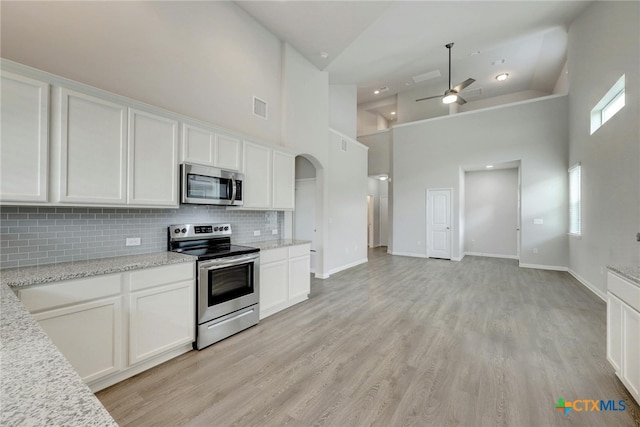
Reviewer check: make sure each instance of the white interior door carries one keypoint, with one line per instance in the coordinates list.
(304, 222)
(384, 220)
(439, 223)
(370, 210)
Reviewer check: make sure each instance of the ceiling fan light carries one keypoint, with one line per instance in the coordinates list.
(450, 98)
(502, 77)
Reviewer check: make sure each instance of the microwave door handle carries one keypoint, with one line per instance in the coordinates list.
(233, 190)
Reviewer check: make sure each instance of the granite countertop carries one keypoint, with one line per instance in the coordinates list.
(39, 386)
(629, 272)
(275, 244)
(27, 276)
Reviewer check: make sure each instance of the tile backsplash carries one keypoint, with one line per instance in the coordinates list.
(44, 235)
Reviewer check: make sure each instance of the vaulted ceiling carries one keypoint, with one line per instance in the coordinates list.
(395, 44)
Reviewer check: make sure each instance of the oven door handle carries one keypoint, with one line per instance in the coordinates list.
(227, 261)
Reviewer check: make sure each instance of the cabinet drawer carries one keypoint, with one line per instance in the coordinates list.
(624, 290)
(48, 296)
(273, 255)
(299, 250)
(150, 277)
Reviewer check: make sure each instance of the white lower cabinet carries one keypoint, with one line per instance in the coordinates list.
(89, 335)
(160, 318)
(623, 331)
(285, 278)
(114, 326)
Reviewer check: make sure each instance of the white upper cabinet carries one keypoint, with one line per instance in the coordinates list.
(93, 150)
(257, 176)
(228, 152)
(284, 175)
(24, 142)
(197, 145)
(207, 147)
(153, 160)
(269, 178)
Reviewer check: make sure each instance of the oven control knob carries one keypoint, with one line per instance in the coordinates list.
(215, 228)
(226, 228)
(184, 230)
(177, 231)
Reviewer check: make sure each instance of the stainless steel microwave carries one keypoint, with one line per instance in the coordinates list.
(205, 185)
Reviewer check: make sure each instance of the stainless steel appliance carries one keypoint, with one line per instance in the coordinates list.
(228, 280)
(205, 185)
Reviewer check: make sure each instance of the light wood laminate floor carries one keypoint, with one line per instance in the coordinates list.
(398, 342)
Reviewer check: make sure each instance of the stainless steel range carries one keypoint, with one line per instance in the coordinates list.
(228, 282)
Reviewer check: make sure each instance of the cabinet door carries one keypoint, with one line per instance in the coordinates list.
(631, 349)
(24, 146)
(160, 319)
(299, 277)
(89, 335)
(284, 170)
(153, 160)
(93, 149)
(197, 145)
(614, 331)
(228, 152)
(273, 286)
(257, 176)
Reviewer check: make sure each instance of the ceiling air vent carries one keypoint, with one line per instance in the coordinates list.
(259, 108)
(472, 93)
(426, 76)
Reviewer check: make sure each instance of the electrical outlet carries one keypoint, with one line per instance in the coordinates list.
(256, 233)
(601, 271)
(535, 250)
(274, 231)
(132, 241)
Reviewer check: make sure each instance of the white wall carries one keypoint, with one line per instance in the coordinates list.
(429, 154)
(347, 208)
(205, 60)
(491, 209)
(501, 100)
(604, 43)
(410, 111)
(379, 144)
(343, 111)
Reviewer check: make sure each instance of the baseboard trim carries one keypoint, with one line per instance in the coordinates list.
(321, 276)
(544, 267)
(491, 255)
(588, 285)
(411, 254)
(347, 266)
(458, 259)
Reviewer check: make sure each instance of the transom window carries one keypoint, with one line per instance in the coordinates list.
(609, 105)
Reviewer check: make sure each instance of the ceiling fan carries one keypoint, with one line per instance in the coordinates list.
(451, 94)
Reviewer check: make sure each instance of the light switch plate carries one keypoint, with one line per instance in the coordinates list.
(256, 233)
(538, 221)
(133, 241)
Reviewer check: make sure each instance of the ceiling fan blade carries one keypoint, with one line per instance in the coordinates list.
(463, 85)
(430, 97)
(460, 100)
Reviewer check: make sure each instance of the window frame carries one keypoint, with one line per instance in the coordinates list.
(575, 206)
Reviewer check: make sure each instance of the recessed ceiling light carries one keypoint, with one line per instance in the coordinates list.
(324, 55)
(502, 77)
(407, 83)
(383, 177)
(489, 166)
(376, 91)
(393, 113)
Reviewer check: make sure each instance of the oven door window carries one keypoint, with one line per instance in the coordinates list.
(230, 283)
(208, 187)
